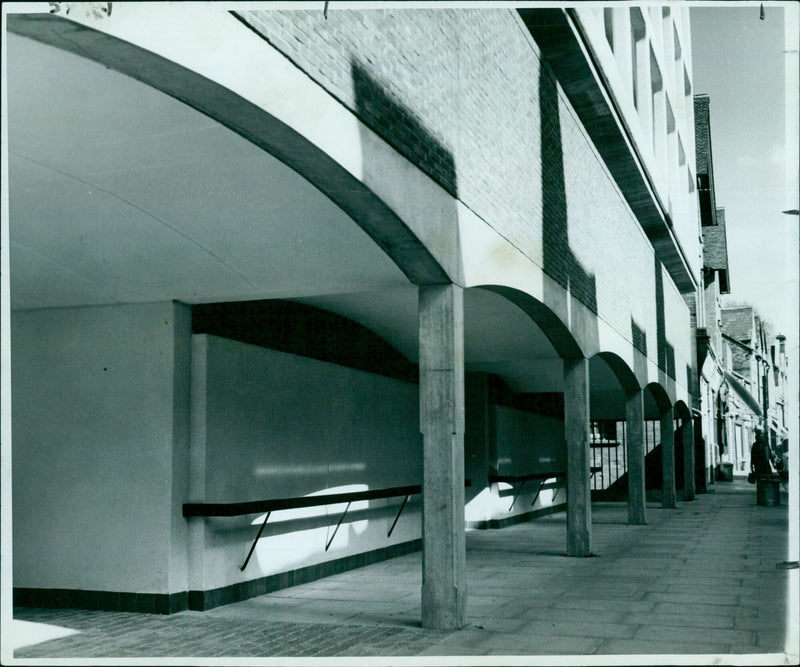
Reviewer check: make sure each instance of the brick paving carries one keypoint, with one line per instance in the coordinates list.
(700, 579)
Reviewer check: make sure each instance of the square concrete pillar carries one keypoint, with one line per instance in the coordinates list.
(634, 440)
(441, 391)
(700, 460)
(668, 498)
(576, 429)
(688, 460)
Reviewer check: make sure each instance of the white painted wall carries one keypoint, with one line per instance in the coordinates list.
(528, 443)
(525, 443)
(680, 335)
(99, 417)
(279, 425)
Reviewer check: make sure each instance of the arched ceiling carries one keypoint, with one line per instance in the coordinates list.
(119, 193)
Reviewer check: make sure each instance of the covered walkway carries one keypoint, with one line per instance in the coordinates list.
(705, 578)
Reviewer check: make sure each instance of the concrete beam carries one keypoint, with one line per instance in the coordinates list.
(576, 427)
(634, 440)
(668, 499)
(441, 388)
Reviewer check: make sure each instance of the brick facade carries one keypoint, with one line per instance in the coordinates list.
(498, 134)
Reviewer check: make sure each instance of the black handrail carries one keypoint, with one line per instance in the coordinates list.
(269, 506)
(259, 506)
(522, 478)
(510, 479)
(275, 504)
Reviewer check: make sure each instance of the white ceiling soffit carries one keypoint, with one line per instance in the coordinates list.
(119, 193)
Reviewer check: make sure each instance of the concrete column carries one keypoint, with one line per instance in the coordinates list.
(668, 498)
(197, 463)
(441, 390)
(688, 460)
(576, 427)
(634, 439)
(702, 464)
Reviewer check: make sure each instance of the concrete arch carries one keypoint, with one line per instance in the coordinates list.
(551, 325)
(260, 125)
(663, 405)
(659, 396)
(623, 372)
(681, 410)
(616, 390)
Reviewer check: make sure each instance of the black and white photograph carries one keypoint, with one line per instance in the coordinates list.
(400, 333)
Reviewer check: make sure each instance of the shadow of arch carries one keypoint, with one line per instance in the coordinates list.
(551, 325)
(612, 383)
(681, 410)
(660, 397)
(249, 121)
(625, 375)
(660, 471)
(304, 330)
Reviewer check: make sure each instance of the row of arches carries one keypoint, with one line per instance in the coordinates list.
(520, 326)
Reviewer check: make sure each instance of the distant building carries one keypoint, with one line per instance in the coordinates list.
(756, 376)
(716, 282)
(776, 417)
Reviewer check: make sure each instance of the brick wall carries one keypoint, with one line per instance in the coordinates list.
(738, 323)
(462, 94)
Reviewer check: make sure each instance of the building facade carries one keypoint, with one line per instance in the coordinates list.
(405, 257)
(711, 349)
(756, 374)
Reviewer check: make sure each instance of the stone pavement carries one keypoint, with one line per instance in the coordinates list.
(699, 579)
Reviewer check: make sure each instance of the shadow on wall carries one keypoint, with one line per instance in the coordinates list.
(559, 261)
(429, 200)
(398, 126)
(304, 330)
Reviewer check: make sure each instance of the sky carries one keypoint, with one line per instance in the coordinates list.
(738, 60)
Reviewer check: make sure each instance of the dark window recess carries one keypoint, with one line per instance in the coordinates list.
(704, 194)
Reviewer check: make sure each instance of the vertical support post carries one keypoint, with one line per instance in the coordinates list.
(441, 387)
(197, 470)
(688, 459)
(634, 441)
(701, 471)
(576, 427)
(668, 499)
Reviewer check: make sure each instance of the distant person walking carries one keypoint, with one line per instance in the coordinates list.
(759, 459)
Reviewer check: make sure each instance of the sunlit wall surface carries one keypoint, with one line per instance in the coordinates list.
(644, 53)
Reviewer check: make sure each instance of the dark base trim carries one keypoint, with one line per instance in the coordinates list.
(517, 518)
(204, 600)
(67, 598)
(163, 603)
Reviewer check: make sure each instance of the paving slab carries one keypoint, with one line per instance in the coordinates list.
(538, 644)
(696, 580)
(695, 634)
(663, 648)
